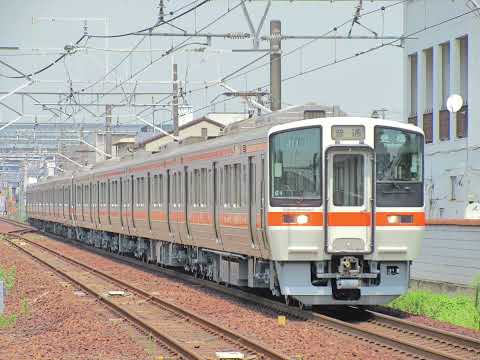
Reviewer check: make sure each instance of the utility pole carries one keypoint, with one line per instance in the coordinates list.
(175, 101)
(108, 131)
(275, 65)
(260, 101)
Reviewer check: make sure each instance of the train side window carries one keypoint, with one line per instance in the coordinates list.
(244, 185)
(137, 192)
(209, 185)
(221, 187)
(180, 188)
(204, 187)
(226, 185)
(174, 190)
(109, 198)
(160, 190)
(154, 184)
(195, 188)
(238, 184)
(111, 193)
(142, 191)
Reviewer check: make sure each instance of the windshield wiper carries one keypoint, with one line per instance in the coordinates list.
(397, 188)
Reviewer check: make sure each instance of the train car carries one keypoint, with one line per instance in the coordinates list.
(320, 211)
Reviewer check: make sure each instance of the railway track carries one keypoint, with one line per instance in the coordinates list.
(408, 338)
(185, 334)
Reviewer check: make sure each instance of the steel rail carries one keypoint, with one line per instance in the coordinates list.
(243, 340)
(326, 321)
(164, 338)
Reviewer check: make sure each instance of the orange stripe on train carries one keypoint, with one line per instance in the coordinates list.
(345, 218)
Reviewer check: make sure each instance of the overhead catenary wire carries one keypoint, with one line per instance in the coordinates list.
(114, 68)
(338, 61)
(150, 28)
(46, 67)
(167, 53)
(236, 74)
(88, 36)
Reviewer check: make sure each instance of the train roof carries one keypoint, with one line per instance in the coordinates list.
(243, 131)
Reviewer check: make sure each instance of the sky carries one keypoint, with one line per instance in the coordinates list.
(358, 86)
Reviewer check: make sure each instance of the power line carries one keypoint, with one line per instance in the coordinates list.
(165, 54)
(104, 37)
(235, 74)
(335, 29)
(356, 55)
(375, 48)
(45, 67)
(150, 28)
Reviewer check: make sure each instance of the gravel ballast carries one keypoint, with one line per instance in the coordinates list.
(57, 321)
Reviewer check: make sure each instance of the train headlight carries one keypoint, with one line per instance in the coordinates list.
(393, 219)
(302, 219)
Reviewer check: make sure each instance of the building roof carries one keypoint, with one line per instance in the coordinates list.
(126, 140)
(183, 127)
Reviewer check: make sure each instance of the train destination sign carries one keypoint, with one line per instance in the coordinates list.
(348, 132)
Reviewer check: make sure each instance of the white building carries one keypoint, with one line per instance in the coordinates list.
(445, 60)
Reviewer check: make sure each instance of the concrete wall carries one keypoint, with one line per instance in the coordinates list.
(449, 253)
(447, 158)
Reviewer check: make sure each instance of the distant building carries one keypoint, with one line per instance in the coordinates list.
(226, 118)
(445, 60)
(123, 146)
(116, 137)
(202, 128)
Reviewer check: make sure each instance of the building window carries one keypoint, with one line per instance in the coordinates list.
(428, 127)
(462, 115)
(445, 73)
(462, 122)
(453, 187)
(444, 128)
(428, 80)
(413, 60)
(463, 46)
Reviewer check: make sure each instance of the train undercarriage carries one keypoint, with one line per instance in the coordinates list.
(342, 280)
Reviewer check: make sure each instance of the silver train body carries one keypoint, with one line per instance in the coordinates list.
(319, 211)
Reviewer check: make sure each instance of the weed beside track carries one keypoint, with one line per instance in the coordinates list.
(455, 309)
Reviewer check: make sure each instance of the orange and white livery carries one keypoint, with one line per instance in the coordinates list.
(328, 210)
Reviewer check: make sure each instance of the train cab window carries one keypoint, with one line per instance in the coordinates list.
(295, 167)
(399, 167)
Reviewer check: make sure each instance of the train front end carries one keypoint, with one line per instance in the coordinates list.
(345, 209)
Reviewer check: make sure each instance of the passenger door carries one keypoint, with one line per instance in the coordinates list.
(349, 209)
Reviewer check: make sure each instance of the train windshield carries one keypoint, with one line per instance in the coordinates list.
(399, 155)
(295, 167)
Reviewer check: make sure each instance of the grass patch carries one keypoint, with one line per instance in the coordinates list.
(7, 320)
(8, 277)
(454, 309)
